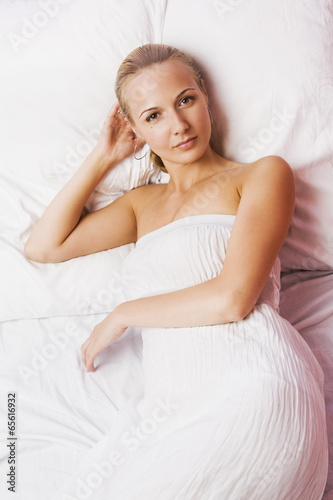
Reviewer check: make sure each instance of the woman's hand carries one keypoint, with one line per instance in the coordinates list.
(103, 335)
(117, 139)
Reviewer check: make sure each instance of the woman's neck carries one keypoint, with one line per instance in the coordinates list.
(184, 176)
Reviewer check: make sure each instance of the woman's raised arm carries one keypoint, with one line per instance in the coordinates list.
(61, 233)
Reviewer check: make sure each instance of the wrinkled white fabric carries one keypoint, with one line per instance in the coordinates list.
(227, 412)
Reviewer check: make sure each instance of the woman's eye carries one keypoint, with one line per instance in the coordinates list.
(152, 117)
(186, 100)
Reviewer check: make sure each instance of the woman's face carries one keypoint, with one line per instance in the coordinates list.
(170, 112)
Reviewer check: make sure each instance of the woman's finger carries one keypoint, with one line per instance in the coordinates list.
(85, 356)
(83, 353)
(90, 364)
(114, 109)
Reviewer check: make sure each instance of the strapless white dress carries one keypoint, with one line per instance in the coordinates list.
(226, 412)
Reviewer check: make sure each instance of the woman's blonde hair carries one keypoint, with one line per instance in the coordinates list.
(141, 58)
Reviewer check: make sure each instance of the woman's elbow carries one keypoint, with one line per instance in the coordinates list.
(234, 309)
(244, 307)
(223, 314)
(36, 254)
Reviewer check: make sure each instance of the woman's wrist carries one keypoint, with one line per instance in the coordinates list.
(102, 161)
(119, 317)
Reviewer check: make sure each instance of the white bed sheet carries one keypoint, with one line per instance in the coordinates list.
(61, 411)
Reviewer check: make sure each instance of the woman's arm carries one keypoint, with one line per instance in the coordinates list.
(263, 218)
(60, 234)
(63, 213)
(261, 225)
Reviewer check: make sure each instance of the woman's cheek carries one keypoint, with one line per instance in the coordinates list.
(157, 139)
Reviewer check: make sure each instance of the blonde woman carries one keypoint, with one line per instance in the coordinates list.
(248, 420)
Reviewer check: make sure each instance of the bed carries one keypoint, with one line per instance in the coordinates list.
(269, 69)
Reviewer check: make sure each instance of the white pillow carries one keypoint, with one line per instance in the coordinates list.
(58, 80)
(270, 75)
(58, 66)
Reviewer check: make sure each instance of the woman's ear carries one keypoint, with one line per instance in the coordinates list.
(136, 135)
(135, 132)
(130, 125)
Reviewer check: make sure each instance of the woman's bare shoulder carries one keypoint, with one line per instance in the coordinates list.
(146, 194)
(141, 192)
(276, 162)
(269, 169)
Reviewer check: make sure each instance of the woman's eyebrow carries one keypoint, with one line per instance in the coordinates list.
(183, 92)
(178, 96)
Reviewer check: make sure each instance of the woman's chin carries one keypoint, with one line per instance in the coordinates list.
(186, 157)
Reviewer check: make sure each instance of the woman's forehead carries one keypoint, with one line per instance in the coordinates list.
(157, 82)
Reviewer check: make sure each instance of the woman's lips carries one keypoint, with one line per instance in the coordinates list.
(187, 144)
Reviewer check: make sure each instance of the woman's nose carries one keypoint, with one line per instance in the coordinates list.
(179, 123)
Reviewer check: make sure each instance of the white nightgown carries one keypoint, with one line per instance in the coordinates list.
(227, 412)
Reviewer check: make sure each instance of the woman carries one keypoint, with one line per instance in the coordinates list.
(248, 419)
